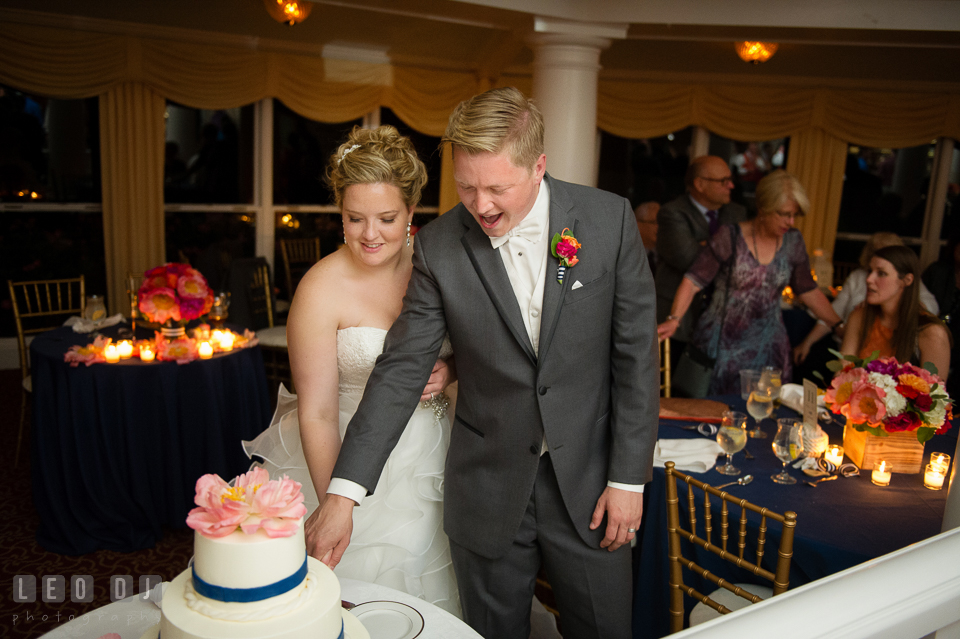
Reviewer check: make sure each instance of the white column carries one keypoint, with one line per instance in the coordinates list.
(699, 142)
(263, 179)
(565, 70)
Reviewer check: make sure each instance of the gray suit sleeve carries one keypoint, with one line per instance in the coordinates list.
(635, 370)
(396, 383)
(676, 245)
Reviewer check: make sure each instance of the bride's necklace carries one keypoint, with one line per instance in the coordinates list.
(756, 250)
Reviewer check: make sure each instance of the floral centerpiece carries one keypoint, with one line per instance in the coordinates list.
(173, 294)
(892, 409)
(250, 502)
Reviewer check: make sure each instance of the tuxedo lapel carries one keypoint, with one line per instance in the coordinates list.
(562, 216)
(493, 274)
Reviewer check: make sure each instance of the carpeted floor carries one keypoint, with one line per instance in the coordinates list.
(23, 556)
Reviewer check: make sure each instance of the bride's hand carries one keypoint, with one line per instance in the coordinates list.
(442, 376)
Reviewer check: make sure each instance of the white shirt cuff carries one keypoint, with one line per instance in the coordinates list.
(633, 488)
(346, 488)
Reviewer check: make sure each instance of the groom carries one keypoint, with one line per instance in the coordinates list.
(556, 415)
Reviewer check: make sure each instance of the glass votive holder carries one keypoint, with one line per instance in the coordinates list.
(834, 454)
(111, 354)
(125, 349)
(147, 354)
(940, 459)
(881, 474)
(205, 350)
(934, 477)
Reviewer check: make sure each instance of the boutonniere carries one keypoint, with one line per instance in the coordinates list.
(564, 247)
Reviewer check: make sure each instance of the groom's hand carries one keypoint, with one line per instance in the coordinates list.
(328, 529)
(624, 510)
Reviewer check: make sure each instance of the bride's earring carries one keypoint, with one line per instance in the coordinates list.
(408, 233)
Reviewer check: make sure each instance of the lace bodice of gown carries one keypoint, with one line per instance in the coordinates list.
(357, 350)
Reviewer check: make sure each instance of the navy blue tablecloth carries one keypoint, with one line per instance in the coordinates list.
(840, 524)
(117, 448)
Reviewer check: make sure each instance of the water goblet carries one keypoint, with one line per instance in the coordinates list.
(732, 437)
(771, 376)
(787, 446)
(760, 406)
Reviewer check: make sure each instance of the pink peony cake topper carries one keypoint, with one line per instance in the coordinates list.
(250, 502)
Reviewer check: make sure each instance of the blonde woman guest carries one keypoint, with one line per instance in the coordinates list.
(750, 263)
(891, 320)
(852, 294)
(339, 318)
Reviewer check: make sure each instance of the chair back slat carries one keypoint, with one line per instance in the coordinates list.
(42, 305)
(677, 534)
(298, 256)
(665, 373)
(261, 302)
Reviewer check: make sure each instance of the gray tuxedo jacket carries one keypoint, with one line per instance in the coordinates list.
(593, 390)
(681, 230)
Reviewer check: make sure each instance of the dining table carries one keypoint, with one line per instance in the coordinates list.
(116, 449)
(840, 523)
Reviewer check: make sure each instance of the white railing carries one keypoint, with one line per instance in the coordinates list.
(904, 595)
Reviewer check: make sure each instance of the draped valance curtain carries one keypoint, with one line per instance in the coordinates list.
(133, 76)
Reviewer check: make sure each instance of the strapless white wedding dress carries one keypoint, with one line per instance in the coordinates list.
(398, 539)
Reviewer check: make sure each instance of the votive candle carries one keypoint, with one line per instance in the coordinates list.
(125, 349)
(147, 354)
(834, 454)
(216, 336)
(111, 354)
(205, 350)
(934, 476)
(226, 341)
(940, 459)
(881, 474)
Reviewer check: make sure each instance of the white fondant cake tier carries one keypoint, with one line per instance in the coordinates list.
(240, 560)
(316, 614)
(352, 629)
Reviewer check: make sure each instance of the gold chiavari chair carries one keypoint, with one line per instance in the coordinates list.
(665, 368)
(273, 339)
(298, 256)
(39, 306)
(728, 597)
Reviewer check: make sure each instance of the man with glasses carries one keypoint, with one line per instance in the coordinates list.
(685, 224)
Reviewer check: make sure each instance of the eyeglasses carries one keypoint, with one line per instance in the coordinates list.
(789, 215)
(724, 181)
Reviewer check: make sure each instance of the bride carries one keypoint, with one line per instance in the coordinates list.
(336, 329)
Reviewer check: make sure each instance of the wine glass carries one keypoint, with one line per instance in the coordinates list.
(760, 406)
(732, 437)
(787, 446)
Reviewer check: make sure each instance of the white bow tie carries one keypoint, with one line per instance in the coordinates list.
(528, 229)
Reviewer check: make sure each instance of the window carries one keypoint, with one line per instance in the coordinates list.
(749, 162)
(644, 170)
(51, 225)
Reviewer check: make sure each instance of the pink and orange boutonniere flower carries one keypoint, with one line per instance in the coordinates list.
(564, 247)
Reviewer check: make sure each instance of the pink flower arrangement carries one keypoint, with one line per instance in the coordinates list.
(251, 503)
(89, 354)
(882, 396)
(174, 293)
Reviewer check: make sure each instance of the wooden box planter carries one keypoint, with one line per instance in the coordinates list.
(901, 450)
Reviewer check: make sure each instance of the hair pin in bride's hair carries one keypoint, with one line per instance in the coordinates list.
(345, 153)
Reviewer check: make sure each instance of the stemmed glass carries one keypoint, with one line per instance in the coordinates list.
(760, 406)
(732, 437)
(787, 446)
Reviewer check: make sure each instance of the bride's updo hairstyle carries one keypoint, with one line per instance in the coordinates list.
(371, 156)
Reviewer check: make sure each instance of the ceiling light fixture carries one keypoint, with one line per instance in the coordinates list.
(289, 11)
(756, 52)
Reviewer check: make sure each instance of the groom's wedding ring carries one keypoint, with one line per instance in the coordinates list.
(631, 530)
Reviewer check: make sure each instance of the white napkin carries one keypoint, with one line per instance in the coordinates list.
(81, 325)
(791, 396)
(689, 455)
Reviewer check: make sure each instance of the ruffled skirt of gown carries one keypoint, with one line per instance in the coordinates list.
(398, 539)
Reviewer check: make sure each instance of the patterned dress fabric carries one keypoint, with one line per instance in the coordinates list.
(743, 325)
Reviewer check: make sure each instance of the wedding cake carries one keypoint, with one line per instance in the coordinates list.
(250, 576)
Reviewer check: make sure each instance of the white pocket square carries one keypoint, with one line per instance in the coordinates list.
(576, 285)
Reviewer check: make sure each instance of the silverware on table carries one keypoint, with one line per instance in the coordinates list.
(821, 480)
(748, 454)
(743, 481)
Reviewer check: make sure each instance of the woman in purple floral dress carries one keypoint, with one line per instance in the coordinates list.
(749, 264)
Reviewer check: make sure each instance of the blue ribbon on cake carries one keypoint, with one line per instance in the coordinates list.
(247, 595)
